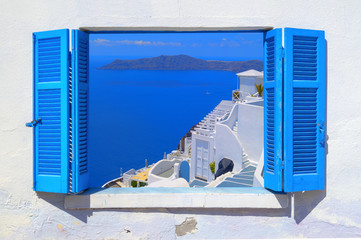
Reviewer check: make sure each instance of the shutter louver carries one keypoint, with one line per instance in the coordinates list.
(273, 109)
(80, 105)
(51, 96)
(304, 110)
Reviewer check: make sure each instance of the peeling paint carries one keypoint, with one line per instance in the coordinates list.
(187, 226)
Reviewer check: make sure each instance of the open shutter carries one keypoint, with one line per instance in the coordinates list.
(273, 110)
(51, 111)
(80, 104)
(304, 110)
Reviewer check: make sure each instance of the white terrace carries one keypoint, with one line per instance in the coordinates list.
(206, 127)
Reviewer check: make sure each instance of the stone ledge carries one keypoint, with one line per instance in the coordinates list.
(113, 198)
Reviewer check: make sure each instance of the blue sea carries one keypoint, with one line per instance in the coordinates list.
(140, 114)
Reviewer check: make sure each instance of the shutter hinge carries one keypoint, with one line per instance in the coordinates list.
(282, 164)
(69, 58)
(283, 53)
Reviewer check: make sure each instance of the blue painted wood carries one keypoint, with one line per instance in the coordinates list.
(184, 170)
(273, 110)
(304, 110)
(51, 104)
(80, 107)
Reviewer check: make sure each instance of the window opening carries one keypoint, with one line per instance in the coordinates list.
(175, 109)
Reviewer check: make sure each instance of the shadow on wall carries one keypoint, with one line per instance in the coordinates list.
(57, 200)
(305, 202)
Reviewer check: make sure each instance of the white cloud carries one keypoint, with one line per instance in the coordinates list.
(106, 42)
(102, 41)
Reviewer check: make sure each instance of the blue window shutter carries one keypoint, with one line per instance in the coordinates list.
(304, 110)
(51, 105)
(80, 106)
(273, 91)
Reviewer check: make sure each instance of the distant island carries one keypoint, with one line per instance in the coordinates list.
(183, 62)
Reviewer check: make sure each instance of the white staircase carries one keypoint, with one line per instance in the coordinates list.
(235, 127)
(245, 160)
(208, 124)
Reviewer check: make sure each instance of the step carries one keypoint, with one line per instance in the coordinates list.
(244, 174)
(198, 183)
(241, 181)
(249, 168)
(248, 178)
(231, 184)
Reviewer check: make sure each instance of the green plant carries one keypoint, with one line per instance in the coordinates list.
(133, 183)
(212, 166)
(259, 89)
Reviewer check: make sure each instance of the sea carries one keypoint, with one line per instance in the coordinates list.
(138, 115)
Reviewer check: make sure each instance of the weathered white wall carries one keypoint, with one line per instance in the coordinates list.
(334, 212)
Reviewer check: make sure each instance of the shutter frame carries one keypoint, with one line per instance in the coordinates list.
(304, 96)
(51, 104)
(273, 92)
(80, 107)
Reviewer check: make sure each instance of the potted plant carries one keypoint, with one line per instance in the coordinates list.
(212, 166)
(259, 88)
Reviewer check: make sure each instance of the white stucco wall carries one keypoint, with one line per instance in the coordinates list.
(250, 130)
(334, 212)
(228, 146)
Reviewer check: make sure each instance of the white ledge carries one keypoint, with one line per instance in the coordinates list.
(173, 29)
(177, 198)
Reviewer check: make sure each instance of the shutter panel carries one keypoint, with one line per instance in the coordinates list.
(80, 104)
(273, 110)
(304, 110)
(51, 105)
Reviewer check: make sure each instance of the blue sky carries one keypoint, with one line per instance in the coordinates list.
(211, 46)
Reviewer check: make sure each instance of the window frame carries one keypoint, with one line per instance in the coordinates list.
(253, 197)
